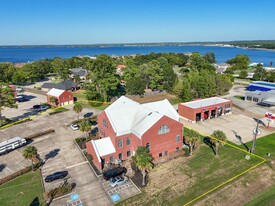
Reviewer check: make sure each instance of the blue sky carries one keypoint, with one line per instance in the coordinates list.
(32, 22)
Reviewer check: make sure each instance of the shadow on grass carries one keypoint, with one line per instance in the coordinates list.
(238, 137)
(207, 141)
(35, 202)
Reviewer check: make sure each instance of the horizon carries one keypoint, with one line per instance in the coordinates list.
(70, 22)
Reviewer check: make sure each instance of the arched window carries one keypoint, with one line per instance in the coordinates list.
(105, 123)
(120, 143)
(164, 129)
(128, 141)
(148, 146)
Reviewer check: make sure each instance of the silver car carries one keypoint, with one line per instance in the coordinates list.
(116, 181)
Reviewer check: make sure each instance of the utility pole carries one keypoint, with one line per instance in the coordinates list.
(256, 133)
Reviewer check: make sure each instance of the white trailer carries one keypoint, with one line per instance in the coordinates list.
(11, 144)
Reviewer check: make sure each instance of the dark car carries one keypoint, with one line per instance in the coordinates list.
(37, 106)
(56, 176)
(89, 114)
(114, 172)
(21, 98)
(93, 122)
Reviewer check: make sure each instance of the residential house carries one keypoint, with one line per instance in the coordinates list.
(64, 85)
(79, 72)
(62, 97)
(221, 68)
(125, 125)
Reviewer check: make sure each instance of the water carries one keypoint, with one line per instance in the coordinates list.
(20, 54)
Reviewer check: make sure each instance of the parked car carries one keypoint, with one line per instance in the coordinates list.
(44, 108)
(19, 89)
(74, 126)
(89, 114)
(107, 175)
(56, 176)
(93, 122)
(93, 131)
(37, 106)
(21, 98)
(116, 181)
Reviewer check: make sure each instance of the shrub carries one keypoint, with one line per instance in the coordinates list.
(89, 157)
(39, 134)
(60, 191)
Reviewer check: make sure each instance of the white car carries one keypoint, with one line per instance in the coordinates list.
(74, 127)
(116, 181)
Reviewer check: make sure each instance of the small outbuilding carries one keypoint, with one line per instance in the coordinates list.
(58, 97)
(203, 109)
(265, 98)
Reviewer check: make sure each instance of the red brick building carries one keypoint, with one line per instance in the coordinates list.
(13, 87)
(202, 109)
(125, 125)
(62, 97)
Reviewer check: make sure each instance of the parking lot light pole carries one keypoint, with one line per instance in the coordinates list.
(255, 134)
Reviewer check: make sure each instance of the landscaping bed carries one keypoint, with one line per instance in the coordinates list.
(58, 110)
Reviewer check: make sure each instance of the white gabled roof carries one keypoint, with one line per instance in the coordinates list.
(127, 116)
(205, 102)
(103, 147)
(55, 92)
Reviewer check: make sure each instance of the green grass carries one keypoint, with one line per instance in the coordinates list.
(23, 190)
(175, 101)
(266, 198)
(204, 171)
(80, 95)
(239, 97)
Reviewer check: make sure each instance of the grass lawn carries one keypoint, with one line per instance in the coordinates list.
(80, 95)
(239, 97)
(24, 190)
(188, 178)
(266, 198)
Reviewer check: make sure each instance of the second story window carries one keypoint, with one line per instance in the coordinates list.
(128, 141)
(105, 123)
(120, 143)
(164, 129)
(177, 138)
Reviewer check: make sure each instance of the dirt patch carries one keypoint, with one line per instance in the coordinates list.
(242, 190)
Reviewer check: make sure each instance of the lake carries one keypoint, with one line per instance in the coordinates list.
(25, 54)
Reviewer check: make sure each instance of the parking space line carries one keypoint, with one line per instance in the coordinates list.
(81, 163)
(20, 164)
(9, 169)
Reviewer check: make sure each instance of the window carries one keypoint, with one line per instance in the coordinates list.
(160, 154)
(105, 123)
(166, 153)
(177, 138)
(111, 159)
(248, 98)
(128, 153)
(255, 99)
(69, 96)
(120, 156)
(120, 143)
(128, 141)
(164, 129)
(177, 149)
(148, 147)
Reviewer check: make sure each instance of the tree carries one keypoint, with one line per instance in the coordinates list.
(260, 73)
(243, 74)
(77, 108)
(240, 62)
(210, 57)
(143, 160)
(191, 138)
(6, 98)
(135, 86)
(85, 126)
(30, 152)
(218, 140)
(53, 100)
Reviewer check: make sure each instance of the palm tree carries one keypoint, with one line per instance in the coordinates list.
(191, 139)
(85, 127)
(77, 108)
(218, 138)
(30, 152)
(143, 160)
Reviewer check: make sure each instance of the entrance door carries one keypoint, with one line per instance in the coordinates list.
(198, 117)
(206, 115)
(213, 114)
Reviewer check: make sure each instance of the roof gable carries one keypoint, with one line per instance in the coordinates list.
(55, 92)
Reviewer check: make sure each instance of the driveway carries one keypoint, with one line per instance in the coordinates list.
(61, 153)
(234, 125)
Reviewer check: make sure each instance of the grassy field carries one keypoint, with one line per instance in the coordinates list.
(24, 190)
(266, 198)
(188, 178)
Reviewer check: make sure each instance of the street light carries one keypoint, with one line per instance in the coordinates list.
(256, 131)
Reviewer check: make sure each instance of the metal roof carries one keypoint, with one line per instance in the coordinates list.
(55, 92)
(103, 147)
(205, 102)
(14, 139)
(127, 116)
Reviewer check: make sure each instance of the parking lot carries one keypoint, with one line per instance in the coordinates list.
(25, 108)
(234, 125)
(59, 152)
(125, 190)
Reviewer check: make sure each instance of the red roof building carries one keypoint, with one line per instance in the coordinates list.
(202, 109)
(125, 125)
(62, 97)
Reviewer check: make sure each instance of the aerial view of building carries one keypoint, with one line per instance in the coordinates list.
(203, 109)
(125, 125)
(61, 97)
(261, 86)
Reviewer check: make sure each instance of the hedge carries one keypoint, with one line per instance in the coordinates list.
(60, 191)
(19, 173)
(39, 134)
(84, 119)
